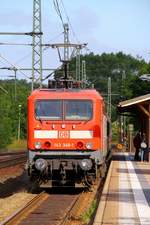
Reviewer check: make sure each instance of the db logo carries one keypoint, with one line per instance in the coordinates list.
(64, 134)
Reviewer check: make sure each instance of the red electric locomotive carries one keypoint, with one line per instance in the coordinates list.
(68, 136)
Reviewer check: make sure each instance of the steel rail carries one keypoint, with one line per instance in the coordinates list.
(68, 215)
(13, 153)
(13, 161)
(25, 210)
(72, 214)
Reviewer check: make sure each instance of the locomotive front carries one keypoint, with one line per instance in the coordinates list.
(65, 136)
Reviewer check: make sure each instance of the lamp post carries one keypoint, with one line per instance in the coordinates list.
(122, 119)
(109, 98)
(146, 77)
(19, 114)
(15, 79)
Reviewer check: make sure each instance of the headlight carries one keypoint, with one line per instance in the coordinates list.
(89, 145)
(86, 164)
(37, 145)
(40, 164)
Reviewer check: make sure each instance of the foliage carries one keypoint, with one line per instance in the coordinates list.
(88, 214)
(17, 145)
(9, 110)
(115, 132)
(124, 71)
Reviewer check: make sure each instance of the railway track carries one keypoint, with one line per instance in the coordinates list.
(18, 215)
(44, 209)
(11, 159)
(53, 208)
(12, 153)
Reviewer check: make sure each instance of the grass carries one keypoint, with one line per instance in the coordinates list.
(17, 145)
(88, 214)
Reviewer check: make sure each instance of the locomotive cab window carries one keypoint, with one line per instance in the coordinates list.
(78, 110)
(48, 109)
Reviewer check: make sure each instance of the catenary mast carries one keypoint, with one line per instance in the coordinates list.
(37, 45)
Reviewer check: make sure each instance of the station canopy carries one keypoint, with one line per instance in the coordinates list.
(135, 105)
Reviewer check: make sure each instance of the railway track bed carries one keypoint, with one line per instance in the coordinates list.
(44, 208)
(12, 153)
(58, 207)
(11, 202)
(11, 159)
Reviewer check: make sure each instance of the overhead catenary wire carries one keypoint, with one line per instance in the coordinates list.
(21, 44)
(52, 40)
(69, 22)
(49, 75)
(26, 56)
(13, 65)
(57, 9)
(44, 49)
(60, 14)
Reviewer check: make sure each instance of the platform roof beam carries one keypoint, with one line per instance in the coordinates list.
(144, 110)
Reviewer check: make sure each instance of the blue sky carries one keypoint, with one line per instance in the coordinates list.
(106, 25)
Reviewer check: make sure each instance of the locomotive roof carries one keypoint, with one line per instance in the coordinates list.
(65, 94)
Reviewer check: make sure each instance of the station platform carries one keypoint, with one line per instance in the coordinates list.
(126, 194)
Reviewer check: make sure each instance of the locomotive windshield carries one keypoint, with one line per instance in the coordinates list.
(48, 109)
(63, 109)
(78, 110)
